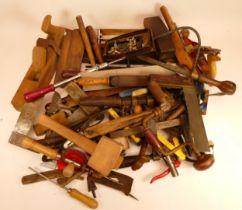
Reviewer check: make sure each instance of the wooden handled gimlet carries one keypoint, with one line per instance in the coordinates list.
(90, 202)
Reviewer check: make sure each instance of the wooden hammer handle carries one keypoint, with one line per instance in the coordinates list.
(81, 141)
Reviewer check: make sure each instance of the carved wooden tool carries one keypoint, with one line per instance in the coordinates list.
(85, 40)
(90, 202)
(164, 46)
(181, 54)
(43, 68)
(105, 154)
(112, 125)
(62, 61)
(95, 46)
(169, 81)
(33, 95)
(145, 70)
(227, 87)
(76, 51)
(141, 158)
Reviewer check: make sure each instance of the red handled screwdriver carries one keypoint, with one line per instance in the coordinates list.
(35, 94)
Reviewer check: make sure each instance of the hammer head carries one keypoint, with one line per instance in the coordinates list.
(106, 156)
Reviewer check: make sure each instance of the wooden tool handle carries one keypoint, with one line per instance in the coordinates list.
(81, 141)
(226, 87)
(93, 39)
(181, 54)
(112, 125)
(32, 178)
(160, 96)
(85, 40)
(59, 117)
(35, 146)
(204, 162)
(69, 170)
(156, 91)
(90, 202)
(36, 94)
(88, 81)
(152, 139)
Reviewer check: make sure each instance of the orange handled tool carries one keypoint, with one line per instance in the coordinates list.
(90, 202)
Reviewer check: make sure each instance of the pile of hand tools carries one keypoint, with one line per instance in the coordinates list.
(114, 89)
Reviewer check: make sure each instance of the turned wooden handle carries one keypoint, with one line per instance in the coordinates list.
(181, 54)
(37, 147)
(81, 141)
(204, 162)
(88, 81)
(90, 202)
(160, 96)
(96, 48)
(85, 40)
(156, 91)
(227, 87)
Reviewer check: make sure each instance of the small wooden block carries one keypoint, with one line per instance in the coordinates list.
(105, 156)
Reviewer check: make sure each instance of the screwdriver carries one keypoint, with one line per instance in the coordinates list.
(90, 202)
(35, 94)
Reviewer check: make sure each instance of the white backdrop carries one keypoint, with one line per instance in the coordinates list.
(219, 24)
